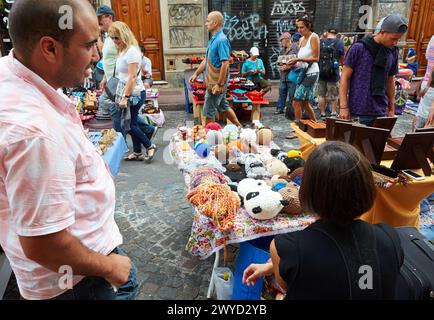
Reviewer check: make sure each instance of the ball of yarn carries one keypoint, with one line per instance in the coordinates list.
(213, 126)
(265, 136)
(221, 152)
(214, 137)
(248, 135)
(235, 144)
(230, 133)
(202, 149)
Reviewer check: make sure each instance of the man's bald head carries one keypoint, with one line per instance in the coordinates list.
(217, 16)
(30, 20)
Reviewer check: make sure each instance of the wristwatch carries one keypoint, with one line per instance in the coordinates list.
(124, 96)
(221, 84)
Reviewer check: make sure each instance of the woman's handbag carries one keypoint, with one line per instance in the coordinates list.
(111, 86)
(297, 75)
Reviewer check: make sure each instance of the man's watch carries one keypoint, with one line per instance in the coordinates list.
(124, 96)
(221, 84)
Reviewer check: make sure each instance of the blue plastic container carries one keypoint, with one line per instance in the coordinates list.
(254, 251)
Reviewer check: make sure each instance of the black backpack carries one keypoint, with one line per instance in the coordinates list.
(328, 60)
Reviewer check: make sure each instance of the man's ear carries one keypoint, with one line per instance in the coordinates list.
(49, 48)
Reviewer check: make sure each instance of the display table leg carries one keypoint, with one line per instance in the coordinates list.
(202, 117)
(196, 112)
(211, 282)
(256, 112)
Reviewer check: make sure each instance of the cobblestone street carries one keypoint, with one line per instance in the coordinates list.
(155, 219)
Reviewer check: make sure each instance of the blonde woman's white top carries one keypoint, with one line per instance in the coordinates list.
(305, 52)
(132, 55)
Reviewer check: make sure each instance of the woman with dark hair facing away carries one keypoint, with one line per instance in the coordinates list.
(308, 57)
(338, 256)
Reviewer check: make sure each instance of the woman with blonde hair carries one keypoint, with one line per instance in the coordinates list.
(130, 87)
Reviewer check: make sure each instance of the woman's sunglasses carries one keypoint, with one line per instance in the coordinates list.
(114, 38)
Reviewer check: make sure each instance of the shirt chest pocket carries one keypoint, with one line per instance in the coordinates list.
(85, 169)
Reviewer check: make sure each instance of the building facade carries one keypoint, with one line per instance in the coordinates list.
(172, 30)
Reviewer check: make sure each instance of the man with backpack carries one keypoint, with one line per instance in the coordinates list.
(331, 52)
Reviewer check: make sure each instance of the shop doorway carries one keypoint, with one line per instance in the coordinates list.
(420, 31)
(144, 19)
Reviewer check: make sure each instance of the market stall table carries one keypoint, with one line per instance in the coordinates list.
(398, 205)
(205, 239)
(114, 154)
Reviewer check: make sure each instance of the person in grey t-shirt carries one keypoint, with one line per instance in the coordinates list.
(286, 88)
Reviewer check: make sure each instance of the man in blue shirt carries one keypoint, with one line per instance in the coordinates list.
(216, 70)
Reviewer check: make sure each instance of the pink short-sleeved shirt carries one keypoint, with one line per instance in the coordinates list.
(51, 177)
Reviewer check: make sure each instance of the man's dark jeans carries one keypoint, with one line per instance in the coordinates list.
(95, 288)
(286, 91)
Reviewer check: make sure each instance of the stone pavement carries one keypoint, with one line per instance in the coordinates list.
(155, 219)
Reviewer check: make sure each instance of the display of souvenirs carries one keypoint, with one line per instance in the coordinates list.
(102, 140)
(240, 55)
(192, 60)
(152, 93)
(90, 102)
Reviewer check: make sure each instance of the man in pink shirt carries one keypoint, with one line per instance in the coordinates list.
(57, 197)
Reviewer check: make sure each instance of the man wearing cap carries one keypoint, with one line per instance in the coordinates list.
(331, 52)
(368, 76)
(286, 88)
(254, 70)
(216, 68)
(106, 16)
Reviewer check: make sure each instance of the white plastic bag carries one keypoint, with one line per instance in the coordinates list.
(223, 287)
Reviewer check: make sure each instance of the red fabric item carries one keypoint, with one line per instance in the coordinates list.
(213, 126)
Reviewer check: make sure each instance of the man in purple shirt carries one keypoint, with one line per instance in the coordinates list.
(368, 76)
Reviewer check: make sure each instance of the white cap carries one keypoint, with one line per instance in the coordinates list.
(254, 51)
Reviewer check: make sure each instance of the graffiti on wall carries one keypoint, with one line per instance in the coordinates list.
(5, 7)
(179, 38)
(185, 25)
(248, 28)
(185, 15)
(282, 19)
(287, 7)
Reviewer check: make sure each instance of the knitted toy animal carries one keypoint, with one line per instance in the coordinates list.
(248, 185)
(276, 168)
(255, 168)
(264, 204)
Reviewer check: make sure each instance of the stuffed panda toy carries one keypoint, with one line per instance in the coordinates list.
(248, 185)
(264, 203)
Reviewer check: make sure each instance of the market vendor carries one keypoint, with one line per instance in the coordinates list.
(57, 197)
(253, 69)
(216, 69)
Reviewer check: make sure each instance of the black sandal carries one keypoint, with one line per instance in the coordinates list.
(149, 158)
(134, 157)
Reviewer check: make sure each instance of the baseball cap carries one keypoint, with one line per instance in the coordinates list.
(285, 35)
(332, 30)
(393, 23)
(105, 10)
(254, 51)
